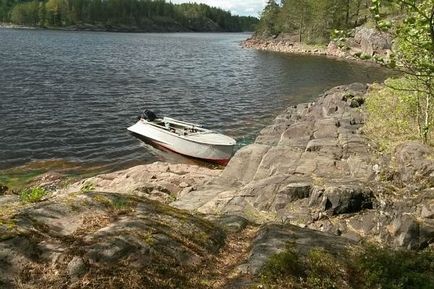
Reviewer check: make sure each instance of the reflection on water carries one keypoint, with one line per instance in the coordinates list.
(71, 95)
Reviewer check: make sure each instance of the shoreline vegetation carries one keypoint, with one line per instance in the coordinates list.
(110, 28)
(396, 34)
(124, 16)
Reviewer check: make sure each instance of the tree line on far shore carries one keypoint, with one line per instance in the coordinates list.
(143, 14)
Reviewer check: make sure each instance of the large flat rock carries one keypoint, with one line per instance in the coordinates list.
(306, 145)
(158, 181)
(95, 239)
(313, 166)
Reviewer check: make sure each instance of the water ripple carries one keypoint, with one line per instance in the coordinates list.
(71, 95)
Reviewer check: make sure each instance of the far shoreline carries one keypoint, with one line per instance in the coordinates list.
(297, 48)
(111, 29)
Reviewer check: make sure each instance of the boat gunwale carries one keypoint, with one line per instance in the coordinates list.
(160, 127)
(182, 123)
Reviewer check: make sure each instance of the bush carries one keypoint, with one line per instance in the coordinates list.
(318, 270)
(324, 271)
(281, 267)
(390, 269)
(33, 195)
(392, 113)
(368, 267)
(364, 56)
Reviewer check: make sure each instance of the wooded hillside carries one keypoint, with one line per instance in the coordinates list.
(315, 21)
(148, 15)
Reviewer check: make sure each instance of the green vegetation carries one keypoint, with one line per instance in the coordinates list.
(414, 57)
(312, 21)
(17, 180)
(398, 100)
(367, 268)
(283, 267)
(389, 269)
(324, 271)
(146, 15)
(408, 102)
(5, 8)
(118, 204)
(317, 270)
(87, 187)
(33, 195)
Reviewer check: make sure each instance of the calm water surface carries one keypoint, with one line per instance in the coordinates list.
(70, 95)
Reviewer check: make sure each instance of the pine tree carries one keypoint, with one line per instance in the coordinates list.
(268, 25)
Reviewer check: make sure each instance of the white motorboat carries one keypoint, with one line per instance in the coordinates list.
(184, 138)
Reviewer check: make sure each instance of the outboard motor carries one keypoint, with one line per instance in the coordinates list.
(149, 115)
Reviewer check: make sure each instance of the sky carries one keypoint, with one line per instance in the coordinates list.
(237, 7)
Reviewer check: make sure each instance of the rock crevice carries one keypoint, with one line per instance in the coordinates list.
(314, 167)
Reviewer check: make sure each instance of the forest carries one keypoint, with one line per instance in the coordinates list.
(144, 15)
(314, 21)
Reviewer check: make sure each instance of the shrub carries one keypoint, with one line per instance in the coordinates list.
(318, 270)
(392, 114)
(281, 267)
(365, 56)
(394, 269)
(324, 271)
(368, 267)
(33, 195)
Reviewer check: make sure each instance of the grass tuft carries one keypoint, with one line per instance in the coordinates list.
(33, 195)
(87, 188)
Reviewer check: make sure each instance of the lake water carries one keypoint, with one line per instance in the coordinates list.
(68, 97)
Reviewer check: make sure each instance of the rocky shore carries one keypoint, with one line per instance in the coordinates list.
(172, 27)
(315, 168)
(364, 44)
(311, 179)
(14, 26)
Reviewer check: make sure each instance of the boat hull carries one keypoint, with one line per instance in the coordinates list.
(216, 153)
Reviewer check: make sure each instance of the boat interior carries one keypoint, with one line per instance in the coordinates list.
(179, 127)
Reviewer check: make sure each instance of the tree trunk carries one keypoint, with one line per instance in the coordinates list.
(347, 14)
(426, 124)
(300, 31)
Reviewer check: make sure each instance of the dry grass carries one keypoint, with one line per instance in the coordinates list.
(92, 223)
(38, 273)
(221, 271)
(146, 264)
(218, 271)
